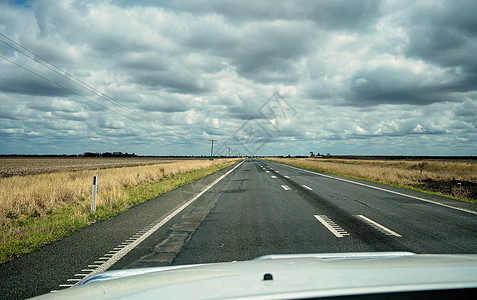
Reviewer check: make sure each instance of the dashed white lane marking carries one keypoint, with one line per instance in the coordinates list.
(286, 176)
(332, 226)
(113, 256)
(277, 171)
(389, 191)
(307, 187)
(267, 171)
(286, 187)
(274, 176)
(378, 226)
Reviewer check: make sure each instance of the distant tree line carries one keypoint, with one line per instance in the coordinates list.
(108, 154)
(319, 155)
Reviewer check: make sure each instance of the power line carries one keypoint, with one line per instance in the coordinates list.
(212, 147)
(63, 87)
(69, 76)
(38, 59)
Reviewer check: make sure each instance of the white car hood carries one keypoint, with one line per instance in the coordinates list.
(284, 277)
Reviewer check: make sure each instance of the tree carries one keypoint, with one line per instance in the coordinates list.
(91, 154)
(311, 154)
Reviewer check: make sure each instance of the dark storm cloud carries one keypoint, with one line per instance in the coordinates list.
(169, 104)
(273, 49)
(467, 109)
(143, 62)
(393, 85)
(180, 81)
(6, 113)
(262, 50)
(339, 14)
(266, 41)
(244, 111)
(437, 62)
(48, 105)
(28, 84)
(437, 31)
(445, 34)
(379, 76)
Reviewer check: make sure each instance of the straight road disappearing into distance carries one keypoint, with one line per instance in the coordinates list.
(270, 208)
(254, 208)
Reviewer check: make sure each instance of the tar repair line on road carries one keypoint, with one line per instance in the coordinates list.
(131, 243)
(385, 190)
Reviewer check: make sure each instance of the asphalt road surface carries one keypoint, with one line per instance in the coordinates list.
(251, 209)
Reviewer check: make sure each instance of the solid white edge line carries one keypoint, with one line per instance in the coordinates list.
(378, 225)
(389, 191)
(117, 256)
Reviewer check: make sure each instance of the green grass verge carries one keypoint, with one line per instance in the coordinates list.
(380, 182)
(25, 236)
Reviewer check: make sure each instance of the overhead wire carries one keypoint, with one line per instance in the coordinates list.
(51, 66)
(63, 87)
(68, 76)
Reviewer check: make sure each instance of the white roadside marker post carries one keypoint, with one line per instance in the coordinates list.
(93, 193)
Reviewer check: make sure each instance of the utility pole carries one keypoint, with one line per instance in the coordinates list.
(212, 147)
(229, 151)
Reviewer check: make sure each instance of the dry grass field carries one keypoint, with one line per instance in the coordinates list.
(36, 209)
(11, 166)
(455, 178)
(22, 196)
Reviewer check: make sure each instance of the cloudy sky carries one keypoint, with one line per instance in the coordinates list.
(270, 78)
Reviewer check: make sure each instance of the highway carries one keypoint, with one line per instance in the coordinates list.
(254, 208)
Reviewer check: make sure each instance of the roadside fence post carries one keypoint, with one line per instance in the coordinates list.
(93, 193)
